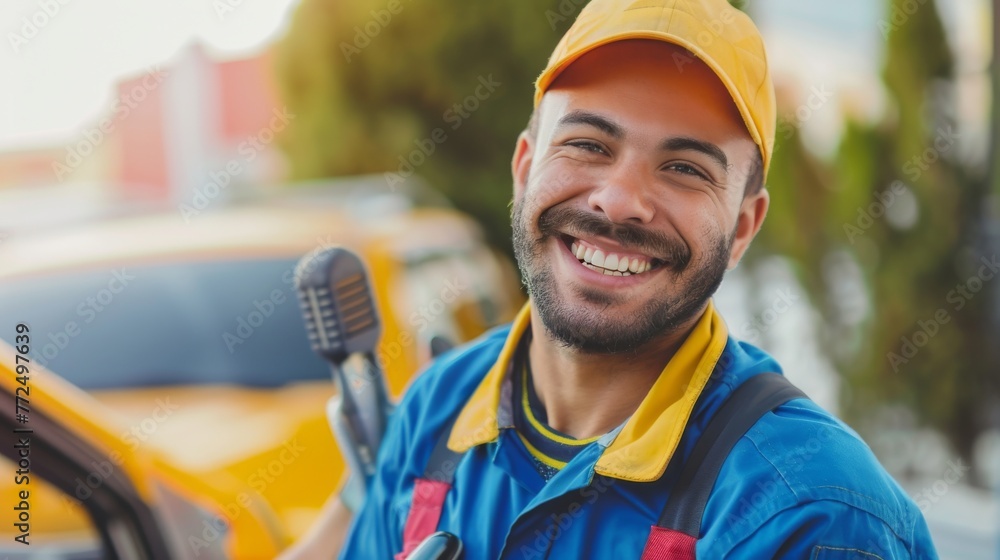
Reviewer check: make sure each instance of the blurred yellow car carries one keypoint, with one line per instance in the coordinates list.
(78, 490)
(187, 336)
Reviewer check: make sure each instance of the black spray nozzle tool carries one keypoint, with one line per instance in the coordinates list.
(342, 321)
(438, 546)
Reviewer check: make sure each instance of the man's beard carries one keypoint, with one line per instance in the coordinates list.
(606, 333)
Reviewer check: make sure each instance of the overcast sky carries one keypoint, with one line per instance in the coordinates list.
(60, 76)
(63, 76)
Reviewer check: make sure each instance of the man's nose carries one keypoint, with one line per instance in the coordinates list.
(624, 196)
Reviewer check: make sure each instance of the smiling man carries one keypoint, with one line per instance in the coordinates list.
(575, 431)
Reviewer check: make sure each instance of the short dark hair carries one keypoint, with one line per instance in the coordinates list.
(755, 178)
(532, 128)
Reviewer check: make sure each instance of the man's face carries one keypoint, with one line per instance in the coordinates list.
(641, 156)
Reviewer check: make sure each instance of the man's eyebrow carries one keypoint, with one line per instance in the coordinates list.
(599, 122)
(682, 143)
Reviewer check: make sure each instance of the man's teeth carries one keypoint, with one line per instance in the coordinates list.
(610, 264)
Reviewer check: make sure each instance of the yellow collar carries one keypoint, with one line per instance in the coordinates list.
(644, 445)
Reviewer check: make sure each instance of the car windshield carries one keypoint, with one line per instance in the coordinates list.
(185, 323)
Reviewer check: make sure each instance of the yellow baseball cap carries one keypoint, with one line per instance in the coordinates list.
(723, 37)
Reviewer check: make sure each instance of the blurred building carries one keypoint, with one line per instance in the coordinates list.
(207, 122)
(192, 125)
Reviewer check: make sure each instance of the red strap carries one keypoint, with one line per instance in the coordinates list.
(425, 512)
(667, 544)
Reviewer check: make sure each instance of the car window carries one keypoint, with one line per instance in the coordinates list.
(208, 322)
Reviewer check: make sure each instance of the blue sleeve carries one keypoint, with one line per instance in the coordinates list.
(830, 530)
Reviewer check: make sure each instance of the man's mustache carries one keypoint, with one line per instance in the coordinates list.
(557, 220)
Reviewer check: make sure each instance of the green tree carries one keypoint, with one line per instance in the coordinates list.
(896, 219)
(371, 80)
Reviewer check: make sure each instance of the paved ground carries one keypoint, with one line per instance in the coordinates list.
(965, 524)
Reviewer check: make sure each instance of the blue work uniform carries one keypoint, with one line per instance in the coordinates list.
(798, 484)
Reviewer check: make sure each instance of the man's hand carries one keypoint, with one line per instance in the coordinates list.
(326, 537)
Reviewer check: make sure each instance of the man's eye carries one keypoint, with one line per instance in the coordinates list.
(686, 170)
(588, 146)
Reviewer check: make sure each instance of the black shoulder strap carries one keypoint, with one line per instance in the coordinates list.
(748, 403)
(443, 461)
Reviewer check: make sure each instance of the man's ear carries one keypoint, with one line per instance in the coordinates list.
(753, 209)
(520, 164)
